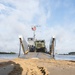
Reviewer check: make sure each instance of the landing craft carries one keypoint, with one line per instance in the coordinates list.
(34, 45)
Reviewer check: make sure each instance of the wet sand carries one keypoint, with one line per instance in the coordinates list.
(38, 67)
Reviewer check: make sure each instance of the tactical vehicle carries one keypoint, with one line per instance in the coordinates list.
(40, 46)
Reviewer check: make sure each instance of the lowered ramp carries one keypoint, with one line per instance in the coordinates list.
(23, 45)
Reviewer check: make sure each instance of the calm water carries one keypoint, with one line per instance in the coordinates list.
(8, 56)
(57, 57)
(65, 57)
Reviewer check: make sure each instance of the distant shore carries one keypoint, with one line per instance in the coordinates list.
(7, 53)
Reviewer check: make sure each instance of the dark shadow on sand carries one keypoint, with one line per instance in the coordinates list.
(72, 61)
(17, 70)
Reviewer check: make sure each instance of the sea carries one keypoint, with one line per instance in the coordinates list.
(57, 57)
(65, 57)
(8, 56)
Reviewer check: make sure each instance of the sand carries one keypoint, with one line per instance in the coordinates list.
(38, 67)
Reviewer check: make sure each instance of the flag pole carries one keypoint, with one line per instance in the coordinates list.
(34, 36)
(34, 29)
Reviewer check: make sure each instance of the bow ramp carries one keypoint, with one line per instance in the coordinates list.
(23, 45)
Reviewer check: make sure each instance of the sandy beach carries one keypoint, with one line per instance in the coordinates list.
(21, 66)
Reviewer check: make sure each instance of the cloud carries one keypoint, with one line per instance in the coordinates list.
(18, 21)
(2, 6)
(17, 17)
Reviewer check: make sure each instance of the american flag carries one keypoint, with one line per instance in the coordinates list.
(34, 28)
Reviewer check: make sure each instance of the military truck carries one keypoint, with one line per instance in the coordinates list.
(40, 46)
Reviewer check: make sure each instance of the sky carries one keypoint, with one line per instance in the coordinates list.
(52, 18)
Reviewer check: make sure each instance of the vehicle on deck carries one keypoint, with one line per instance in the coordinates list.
(40, 46)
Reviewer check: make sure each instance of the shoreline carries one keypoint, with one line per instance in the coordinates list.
(39, 56)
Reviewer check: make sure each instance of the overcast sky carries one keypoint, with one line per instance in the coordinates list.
(54, 17)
